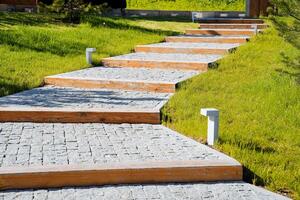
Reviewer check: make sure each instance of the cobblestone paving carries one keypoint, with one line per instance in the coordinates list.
(169, 57)
(194, 45)
(211, 36)
(198, 191)
(53, 98)
(24, 144)
(130, 74)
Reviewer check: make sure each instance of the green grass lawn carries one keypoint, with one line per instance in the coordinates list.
(257, 92)
(194, 5)
(34, 46)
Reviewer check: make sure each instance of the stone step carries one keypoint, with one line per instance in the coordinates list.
(188, 48)
(233, 26)
(62, 104)
(61, 155)
(235, 190)
(229, 32)
(137, 79)
(207, 39)
(199, 62)
(231, 21)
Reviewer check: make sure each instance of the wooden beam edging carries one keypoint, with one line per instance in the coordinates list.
(179, 65)
(130, 173)
(79, 116)
(111, 84)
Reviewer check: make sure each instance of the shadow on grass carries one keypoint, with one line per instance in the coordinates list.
(31, 19)
(8, 88)
(40, 42)
(293, 66)
(118, 23)
(252, 178)
(290, 32)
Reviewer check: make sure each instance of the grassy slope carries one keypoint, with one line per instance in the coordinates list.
(33, 46)
(259, 100)
(202, 5)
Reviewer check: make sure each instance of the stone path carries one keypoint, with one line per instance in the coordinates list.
(207, 39)
(129, 74)
(198, 191)
(52, 98)
(61, 135)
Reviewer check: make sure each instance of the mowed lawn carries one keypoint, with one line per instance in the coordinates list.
(194, 5)
(257, 91)
(33, 46)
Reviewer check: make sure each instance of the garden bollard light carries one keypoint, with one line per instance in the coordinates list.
(88, 53)
(213, 124)
(255, 28)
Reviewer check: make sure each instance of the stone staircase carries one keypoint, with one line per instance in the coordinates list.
(88, 131)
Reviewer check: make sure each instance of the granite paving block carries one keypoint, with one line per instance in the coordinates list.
(193, 45)
(145, 75)
(52, 98)
(207, 39)
(193, 191)
(40, 144)
(170, 57)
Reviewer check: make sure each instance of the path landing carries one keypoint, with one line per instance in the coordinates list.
(100, 126)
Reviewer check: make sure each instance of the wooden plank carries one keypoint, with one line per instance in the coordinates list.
(156, 64)
(232, 26)
(66, 116)
(204, 39)
(111, 84)
(132, 173)
(231, 21)
(142, 48)
(219, 32)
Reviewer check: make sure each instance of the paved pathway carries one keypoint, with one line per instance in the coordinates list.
(130, 88)
(34, 144)
(198, 191)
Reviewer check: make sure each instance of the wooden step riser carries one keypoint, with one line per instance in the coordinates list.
(73, 176)
(122, 85)
(156, 64)
(226, 26)
(226, 21)
(79, 117)
(207, 40)
(219, 32)
(180, 50)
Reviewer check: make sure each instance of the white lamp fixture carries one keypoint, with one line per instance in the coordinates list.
(88, 53)
(213, 124)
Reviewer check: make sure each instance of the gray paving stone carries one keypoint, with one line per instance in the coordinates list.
(194, 45)
(196, 191)
(130, 74)
(169, 57)
(212, 36)
(55, 98)
(98, 143)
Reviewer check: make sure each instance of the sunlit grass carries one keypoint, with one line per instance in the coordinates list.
(201, 5)
(259, 102)
(34, 46)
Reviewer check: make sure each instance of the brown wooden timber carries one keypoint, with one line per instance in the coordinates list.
(132, 173)
(206, 40)
(233, 26)
(231, 21)
(156, 64)
(111, 84)
(219, 32)
(67, 116)
(142, 48)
